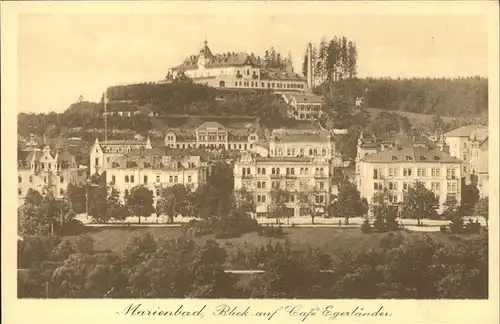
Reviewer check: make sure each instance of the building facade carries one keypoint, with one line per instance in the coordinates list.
(214, 136)
(292, 176)
(237, 70)
(303, 106)
(102, 152)
(155, 170)
(396, 168)
(48, 170)
(470, 144)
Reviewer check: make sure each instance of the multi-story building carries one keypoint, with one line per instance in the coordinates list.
(237, 70)
(479, 174)
(397, 167)
(292, 175)
(48, 170)
(301, 143)
(155, 169)
(303, 106)
(213, 136)
(458, 140)
(102, 152)
(466, 143)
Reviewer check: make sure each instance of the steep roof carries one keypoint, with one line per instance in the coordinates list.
(278, 74)
(411, 155)
(464, 131)
(210, 124)
(479, 135)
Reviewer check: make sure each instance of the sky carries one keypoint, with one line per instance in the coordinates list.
(61, 57)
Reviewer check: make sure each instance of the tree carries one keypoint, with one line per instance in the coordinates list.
(114, 208)
(437, 125)
(419, 202)
(349, 202)
(96, 200)
(33, 221)
(482, 208)
(352, 59)
(307, 200)
(33, 197)
(182, 78)
(244, 201)
(140, 202)
(77, 198)
(469, 198)
(305, 65)
(173, 201)
(277, 207)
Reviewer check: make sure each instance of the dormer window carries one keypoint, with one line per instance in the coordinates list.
(423, 158)
(408, 158)
(394, 158)
(437, 158)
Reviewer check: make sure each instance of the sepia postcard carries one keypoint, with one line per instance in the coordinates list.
(267, 161)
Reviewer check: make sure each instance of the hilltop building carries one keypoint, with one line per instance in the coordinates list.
(238, 71)
(395, 165)
(48, 170)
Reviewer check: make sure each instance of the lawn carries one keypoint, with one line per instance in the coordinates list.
(328, 239)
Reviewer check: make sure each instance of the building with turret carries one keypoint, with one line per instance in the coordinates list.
(48, 170)
(238, 71)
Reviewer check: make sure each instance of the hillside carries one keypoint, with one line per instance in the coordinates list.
(462, 97)
(424, 122)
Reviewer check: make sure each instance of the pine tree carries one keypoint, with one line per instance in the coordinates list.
(321, 62)
(304, 66)
(332, 59)
(352, 60)
(344, 57)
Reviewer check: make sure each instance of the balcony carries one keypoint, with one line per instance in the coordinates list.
(320, 176)
(276, 176)
(290, 176)
(247, 176)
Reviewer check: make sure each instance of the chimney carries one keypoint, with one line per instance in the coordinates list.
(309, 67)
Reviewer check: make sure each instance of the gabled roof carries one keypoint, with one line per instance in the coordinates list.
(464, 131)
(278, 74)
(210, 124)
(411, 154)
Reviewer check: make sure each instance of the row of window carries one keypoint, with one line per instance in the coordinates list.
(421, 172)
(45, 179)
(288, 171)
(270, 85)
(319, 199)
(20, 191)
(434, 186)
(301, 152)
(131, 179)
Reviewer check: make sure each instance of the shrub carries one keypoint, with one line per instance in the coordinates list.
(443, 229)
(473, 227)
(72, 227)
(270, 231)
(366, 227)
